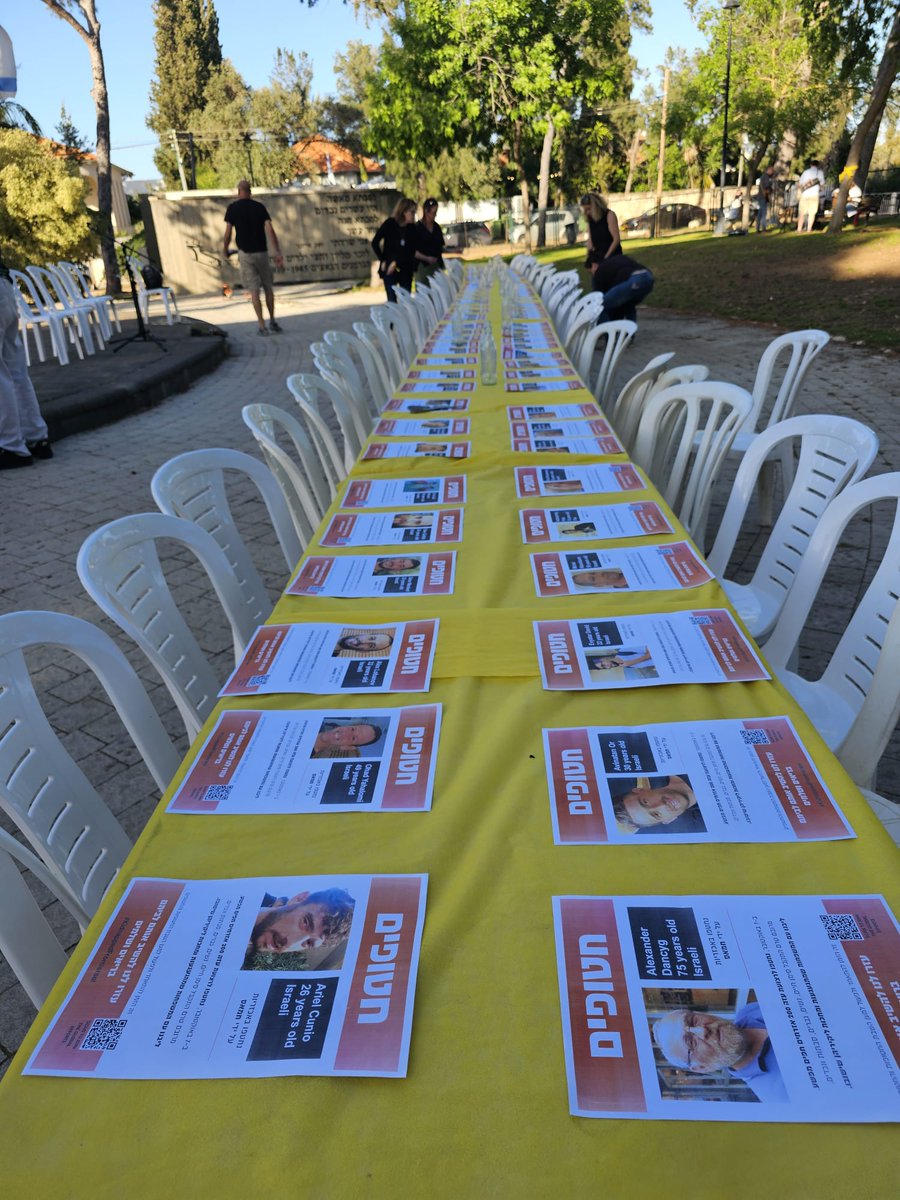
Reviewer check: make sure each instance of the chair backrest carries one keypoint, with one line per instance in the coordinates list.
(314, 397)
(868, 652)
(834, 452)
(800, 348)
(389, 319)
(192, 486)
(625, 412)
(27, 942)
(613, 336)
(342, 373)
(303, 484)
(346, 346)
(42, 789)
(672, 419)
(120, 569)
(575, 321)
(383, 344)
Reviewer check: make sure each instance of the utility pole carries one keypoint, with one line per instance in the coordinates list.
(662, 148)
(639, 136)
(174, 136)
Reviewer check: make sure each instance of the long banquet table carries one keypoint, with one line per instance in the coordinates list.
(484, 1109)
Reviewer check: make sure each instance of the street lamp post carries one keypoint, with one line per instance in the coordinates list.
(730, 6)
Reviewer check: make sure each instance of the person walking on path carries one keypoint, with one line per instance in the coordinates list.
(23, 431)
(254, 233)
(809, 187)
(766, 185)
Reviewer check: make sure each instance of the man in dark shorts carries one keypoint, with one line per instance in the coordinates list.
(252, 226)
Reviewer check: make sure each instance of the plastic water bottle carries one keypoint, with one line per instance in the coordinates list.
(487, 353)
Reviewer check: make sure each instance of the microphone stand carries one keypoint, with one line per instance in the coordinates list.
(127, 249)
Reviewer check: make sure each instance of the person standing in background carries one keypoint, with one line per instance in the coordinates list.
(429, 241)
(604, 238)
(23, 431)
(394, 247)
(809, 188)
(764, 197)
(254, 233)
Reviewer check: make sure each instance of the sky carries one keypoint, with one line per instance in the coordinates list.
(53, 66)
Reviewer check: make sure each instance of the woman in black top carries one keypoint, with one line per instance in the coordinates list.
(604, 239)
(394, 244)
(429, 241)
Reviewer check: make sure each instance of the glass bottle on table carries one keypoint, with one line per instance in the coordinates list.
(487, 355)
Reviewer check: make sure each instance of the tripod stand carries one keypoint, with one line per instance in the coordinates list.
(142, 335)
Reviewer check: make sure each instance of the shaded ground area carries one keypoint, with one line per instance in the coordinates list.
(847, 284)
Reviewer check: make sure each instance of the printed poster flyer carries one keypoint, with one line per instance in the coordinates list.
(323, 761)
(438, 427)
(446, 360)
(559, 371)
(596, 480)
(460, 404)
(536, 442)
(729, 1008)
(601, 521)
(515, 354)
(635, 569)
(377, 450)
(244, 978)
(422, 387)
(551, 412)
(388, 493)
(394, 528)
(367, 575)
(440, 372)
(545, 385)
(564, 429)
(647, 650)
(694, 781)
(325, 659)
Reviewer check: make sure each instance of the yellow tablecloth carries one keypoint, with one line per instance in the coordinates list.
(484, 1110)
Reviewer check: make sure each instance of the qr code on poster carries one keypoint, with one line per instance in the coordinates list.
(755, 737)
(103, 1034)
(257, 680)
(841, 927)
(217, 791)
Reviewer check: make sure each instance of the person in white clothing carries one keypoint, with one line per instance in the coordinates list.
(23, 431)
(809, 187)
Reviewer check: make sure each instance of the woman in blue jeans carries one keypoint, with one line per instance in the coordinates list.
(624, 283)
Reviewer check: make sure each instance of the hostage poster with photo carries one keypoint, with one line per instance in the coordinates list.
(368, 575)
(530, 442)
(516, 370)
(411, 449)
(245, 978)
(440, 372)
(730, 1008)
(600, 521)
(748, 780)
(460, 404)
(544, 385)
(601, 479)
(632, 568)
(394, 493)
(645, 651)
(394, 528)
(552, 412)
(325, 659)
(425, 387)
(436, 427)
(324, 761)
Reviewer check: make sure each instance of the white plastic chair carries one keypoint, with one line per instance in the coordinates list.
(635, 405)
(192, 486)
(393, 322)
(27, 942)
(834, 452)
(312, 393)
(347, 345)
(576, 321)
(624, 413)
(856, 702)
(119, 567)
(63, 327)
(382, 344)
(304, 487)
(103, 308)
(341, 376)
(42, 790)
(614, 337)
(54, 297)
(146, 295)
(672, 419)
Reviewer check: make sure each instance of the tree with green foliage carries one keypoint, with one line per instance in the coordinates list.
(69, 137)
(188, 53)
(43, 217)
(343, 117)
(81, 15)
(16, 116)
(457, 174)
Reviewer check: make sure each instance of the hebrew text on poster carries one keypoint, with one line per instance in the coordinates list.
(393, 493)
(601, 479)
(412, 449)
(599, 522)
(629, 569)
(394, 528)
(375, 575)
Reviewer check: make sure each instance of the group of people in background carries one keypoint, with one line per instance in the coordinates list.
(406, 247)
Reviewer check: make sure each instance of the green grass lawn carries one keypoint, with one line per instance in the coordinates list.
(848, 284)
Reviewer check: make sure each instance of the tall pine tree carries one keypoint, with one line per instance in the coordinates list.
(188, 52)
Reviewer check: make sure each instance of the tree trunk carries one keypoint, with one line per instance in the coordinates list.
(544, 184)
(887, 73)
(89, 32)
(523, 182)
(752, 168)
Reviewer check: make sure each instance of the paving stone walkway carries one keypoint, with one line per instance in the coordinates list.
(96, 476)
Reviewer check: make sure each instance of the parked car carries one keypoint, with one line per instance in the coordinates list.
(561, 226)
(459, 234)
(672, 216)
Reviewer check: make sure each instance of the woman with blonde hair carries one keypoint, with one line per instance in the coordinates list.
(394, 245)
(604, 239)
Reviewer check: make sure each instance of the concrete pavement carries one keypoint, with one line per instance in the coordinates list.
(96, 476)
